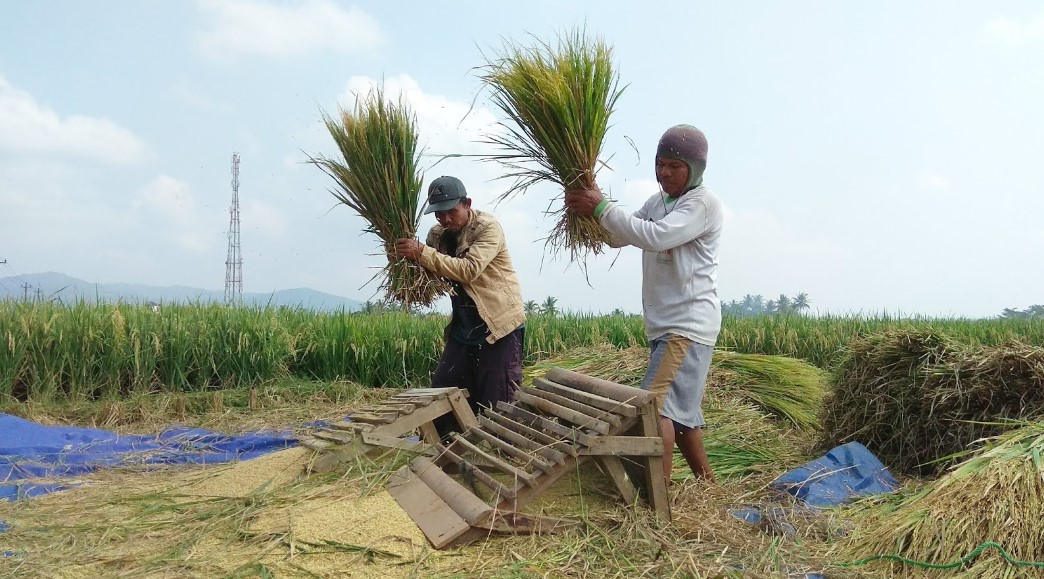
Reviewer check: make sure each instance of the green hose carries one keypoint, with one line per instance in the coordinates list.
(978, 550)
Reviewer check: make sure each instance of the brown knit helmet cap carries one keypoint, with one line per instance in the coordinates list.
(689, 144)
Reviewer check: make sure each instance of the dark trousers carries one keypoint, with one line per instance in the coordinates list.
(489, 372)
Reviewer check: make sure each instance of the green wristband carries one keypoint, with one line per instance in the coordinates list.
(600, 208)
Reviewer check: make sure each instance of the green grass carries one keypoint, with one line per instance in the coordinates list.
(101, 351)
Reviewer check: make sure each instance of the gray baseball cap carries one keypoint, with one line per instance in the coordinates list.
(444, 193)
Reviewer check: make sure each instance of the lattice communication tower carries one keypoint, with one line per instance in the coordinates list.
(234, 260)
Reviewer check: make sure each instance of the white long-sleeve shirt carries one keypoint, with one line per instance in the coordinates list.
(679, 239)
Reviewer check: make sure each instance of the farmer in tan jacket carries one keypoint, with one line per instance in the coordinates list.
(484, 338)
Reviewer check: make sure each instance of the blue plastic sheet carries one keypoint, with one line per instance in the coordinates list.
(29, 450)
(846, 472)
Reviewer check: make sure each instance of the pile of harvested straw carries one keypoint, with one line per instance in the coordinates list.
(558, 100)
(995, 496)
(379, 177)
(917, 398)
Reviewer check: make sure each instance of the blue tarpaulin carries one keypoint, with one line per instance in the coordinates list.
(845, 473)
(29, 450)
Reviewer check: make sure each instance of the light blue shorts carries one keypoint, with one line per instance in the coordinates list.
(677, 375)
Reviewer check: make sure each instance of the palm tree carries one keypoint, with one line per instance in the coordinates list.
(801, 302)
(1012, 313)
(1035, 311)
(783, 304)
(532, 308)
(549, 307)
(770, 307)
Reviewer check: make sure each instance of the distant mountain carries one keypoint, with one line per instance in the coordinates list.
(58, 286)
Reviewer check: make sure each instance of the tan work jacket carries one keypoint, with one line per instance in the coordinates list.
(482, 265)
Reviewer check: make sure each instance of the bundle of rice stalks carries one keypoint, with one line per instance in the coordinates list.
(559, 100)
(994, 496)
(917, 398)
(789, 388)
(379, 177)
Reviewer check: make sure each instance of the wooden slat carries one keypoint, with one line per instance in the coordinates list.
(429, 433)
(410, 422)
(435, 393)
(625, 446)
(467, 467)
(600, 402)
(374, 418)
(619, 477)
(462, 410)
(571, 404)
(351, 426)
(314, 443)
(578, 418)
(396, 443)
(518, 453)
(399, 408)
(536, 435)
(611, 390)
(435, 518)
(340, 437)
(571, 434)
(497, 462)
(520, 440)
(650, 426)
(410, 399)
(463, 502)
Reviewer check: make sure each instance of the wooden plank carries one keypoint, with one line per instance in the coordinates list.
(435, 518)
(314, 443)
(351, 426)
(469, 469)
(625, 446)
(578, 418)
(619, 477)
(571, 434)
(516, 438)
(396, 443)
(435, 393)
(373, 417)
(605, 388)
(514, 451)
(497, 462)
(600, 402)
(462, 410)
(398, 408)
(417, 401)
(657, 484)
(528, 494)
(429, 433)
(463, 502)
(336, 436)
(560, 400)
(410, 422)
(533, 434)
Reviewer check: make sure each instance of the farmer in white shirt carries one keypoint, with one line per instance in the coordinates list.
(678, 230)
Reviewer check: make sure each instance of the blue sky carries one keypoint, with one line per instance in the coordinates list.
(881, 157)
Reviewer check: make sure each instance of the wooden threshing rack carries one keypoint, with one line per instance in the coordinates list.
(478, 481)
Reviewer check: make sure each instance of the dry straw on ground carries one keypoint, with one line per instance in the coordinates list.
(995, 496)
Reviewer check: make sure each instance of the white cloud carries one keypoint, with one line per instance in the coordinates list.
(173, 214)
(933, 182)
(264, 218)
(1011, 32)
(29, 127)
(247, 27)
